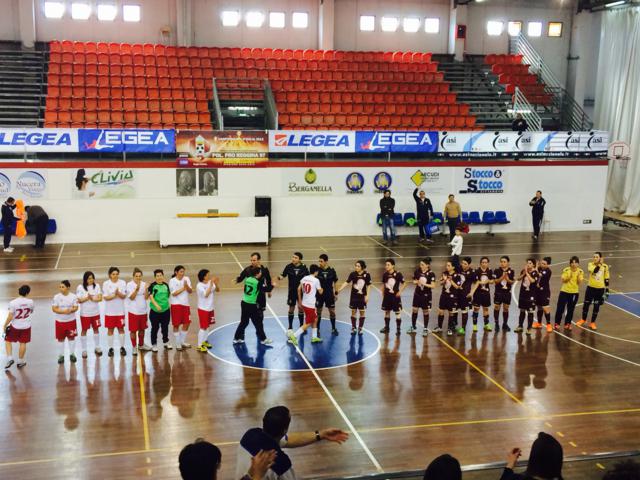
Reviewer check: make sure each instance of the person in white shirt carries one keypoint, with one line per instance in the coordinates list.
(114, 291)
(456, 247)
(137, 296)
(206, 314)
(17, 327)
(65, 306)
(309, 286)
(89, 297)
(180, 288)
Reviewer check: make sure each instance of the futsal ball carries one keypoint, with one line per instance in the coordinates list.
(437, 220)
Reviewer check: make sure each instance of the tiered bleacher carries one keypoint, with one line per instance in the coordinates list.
(513, 73)
(122, 85)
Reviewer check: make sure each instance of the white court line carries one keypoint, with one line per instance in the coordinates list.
(59, 257)
(384, 246)
(604, 334)
(353, 430)
(626, 296)
(596, 350)
(622, 309)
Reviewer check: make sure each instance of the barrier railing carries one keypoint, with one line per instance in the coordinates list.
(216, 107)
(270, 108)
(522, 106)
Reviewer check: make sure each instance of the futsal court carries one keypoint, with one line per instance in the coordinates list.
(403, 399)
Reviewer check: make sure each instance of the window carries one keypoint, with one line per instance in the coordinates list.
(367, 23)
(432, 25)
(80, 11)
(255, 19)
(53, 9)
(534, 29)
(277, 19)
(389, 24)
(107, 12)
(230, 18)
(411, 24)
(494, 28)
(131, 13)
(514, 28)
(555, 29)
(300, 20)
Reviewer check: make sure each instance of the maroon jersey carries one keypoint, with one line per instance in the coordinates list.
(424, 279)
(528, 285)
(449, 280)
(503, 285)
(468, 278)
(544, 277)
(392, 282)
(359, 285)
(483, 276)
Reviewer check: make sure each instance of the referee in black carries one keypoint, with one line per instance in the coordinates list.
(537, 204)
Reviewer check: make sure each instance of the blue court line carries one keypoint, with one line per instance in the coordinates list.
(629, 302)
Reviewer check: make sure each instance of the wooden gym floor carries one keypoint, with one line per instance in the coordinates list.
(474, 397)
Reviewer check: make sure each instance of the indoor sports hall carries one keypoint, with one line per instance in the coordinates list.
(414, 224)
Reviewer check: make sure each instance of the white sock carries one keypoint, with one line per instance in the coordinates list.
(121, 339)
(96, 340)
(10, 358)
(202, 334)
(72, 346)
(83, 343)
(60, 349)
(299, 332)
(110, 340)
(314, 332)
(183, 336)
(178, 338)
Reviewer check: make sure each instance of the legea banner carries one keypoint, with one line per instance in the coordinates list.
(318, 141)
(38, 140)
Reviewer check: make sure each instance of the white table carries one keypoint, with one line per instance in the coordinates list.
(210, 231)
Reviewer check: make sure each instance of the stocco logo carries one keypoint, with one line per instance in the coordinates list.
(31, 184)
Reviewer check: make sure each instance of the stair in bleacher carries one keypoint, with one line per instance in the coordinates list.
(22, 80)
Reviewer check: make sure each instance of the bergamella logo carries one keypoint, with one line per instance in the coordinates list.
(310, 177)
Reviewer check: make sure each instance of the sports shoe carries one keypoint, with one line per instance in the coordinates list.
(292, 339)
(497, 327)
(60, 359)
(384, 330)
(567, 327)
(203, 349)
(460, 331)
(437, 330)
(411, 330)
(110, 352)
(487, 328)
(98, 351)
(335, 332)
(428, 240)
(556, 327)
(518, 330)
(581, 322)
(354, 330)
(73, 358)
(266, 342)
(536, 325)
(316, 340)
(8, 250)
(549, 328)
(84, 354)
(398, 332)
(475, 327)
(21, 364)
(144, 348)
(207, 344)
(506, 328)
(425, 332)
(593, 326)
(238, 341)
(9, 363)
(529, 331)
(123, 352)
(360, 331)
(449, 333)
(134, 351)
(154, 349)
(186, 345)
(168, 346)
(178, 347)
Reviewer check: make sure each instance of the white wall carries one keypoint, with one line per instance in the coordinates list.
(9, 23)
(349, 37)
(553, 50)
(208, 29)
(296, 215)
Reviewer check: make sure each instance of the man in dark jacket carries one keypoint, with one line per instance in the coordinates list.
(519, 124)
(424, 211)
(8, 222)
(38, 222)
(387, 205)
(266, 285)
(537, 204)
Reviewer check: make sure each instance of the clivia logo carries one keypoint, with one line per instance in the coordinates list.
(31, 184)
(112, 177)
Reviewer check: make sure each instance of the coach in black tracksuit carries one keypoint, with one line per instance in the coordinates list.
(537, 204)
(38, 222)
(424, 211)
(8, 222)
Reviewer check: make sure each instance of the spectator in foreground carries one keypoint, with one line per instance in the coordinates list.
(387, 205)
(274, 436)
(201, 460)
(445, 467)
(545, 460)
(452, 215)
(38, 219)
(626, 470)
(424, 211)
(519, 124)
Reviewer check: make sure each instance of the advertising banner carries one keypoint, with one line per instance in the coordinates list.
(319, 141)
(38, 140)
(95, 183)
(24, 184)
(420, 142)
(481, 180)
(130, 141)
(230, 148)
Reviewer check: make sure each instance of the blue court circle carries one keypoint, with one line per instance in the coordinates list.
(334, 352)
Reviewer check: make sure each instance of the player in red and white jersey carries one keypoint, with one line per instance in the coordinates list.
(17, 327)
(64, 307)
(205, 289)
(137, 296)
(180, 288)
(114, 291)
(307, 290)
(89, 297)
